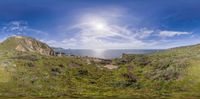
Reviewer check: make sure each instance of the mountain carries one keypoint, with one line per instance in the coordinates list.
(26, 44)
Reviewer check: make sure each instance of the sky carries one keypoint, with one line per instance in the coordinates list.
(103, 24)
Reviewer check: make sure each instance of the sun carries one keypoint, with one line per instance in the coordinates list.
(97, 24)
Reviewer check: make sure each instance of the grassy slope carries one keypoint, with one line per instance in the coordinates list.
(164, 73)
(174, 71)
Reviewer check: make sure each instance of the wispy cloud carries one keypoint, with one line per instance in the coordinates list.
(20, 28)
(15, 27)
(99, 30)
(172, 33)
(106, 29)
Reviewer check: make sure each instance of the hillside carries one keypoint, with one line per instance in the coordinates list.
(26, 44)
(28, 72)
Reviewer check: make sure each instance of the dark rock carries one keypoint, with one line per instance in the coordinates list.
(82, 72)
(61, 65)
(55, 71)
(30, 65)
(130, 77)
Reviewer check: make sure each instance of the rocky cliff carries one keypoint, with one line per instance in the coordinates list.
(26, 44)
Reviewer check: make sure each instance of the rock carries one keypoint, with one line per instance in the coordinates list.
(74, 65)
(82, 73)
(55, 71)
(130, 77)
(111, 66)
(26, 44)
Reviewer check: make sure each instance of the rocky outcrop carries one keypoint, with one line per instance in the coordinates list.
(27, 44)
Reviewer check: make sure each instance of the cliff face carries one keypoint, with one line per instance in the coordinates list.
(26, 44)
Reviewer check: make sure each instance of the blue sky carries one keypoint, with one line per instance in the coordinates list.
(103, 24)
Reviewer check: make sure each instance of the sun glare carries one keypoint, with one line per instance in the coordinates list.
(97, 24)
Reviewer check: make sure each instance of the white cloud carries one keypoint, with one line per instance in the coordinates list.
(110, 29)
(15, 27)
(98, 30)
(144, 33)
(72, 42)
(112, 36)
(172, 33)
(20, 28)
(104, 30)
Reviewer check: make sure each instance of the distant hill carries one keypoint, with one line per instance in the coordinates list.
(26, 44)
(58, 49)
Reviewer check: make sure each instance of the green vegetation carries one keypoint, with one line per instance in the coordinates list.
(171, 73)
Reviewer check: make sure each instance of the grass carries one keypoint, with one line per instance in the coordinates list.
(170, 73)
(49, 76)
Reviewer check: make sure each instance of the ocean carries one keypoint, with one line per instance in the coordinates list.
(107, 54)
